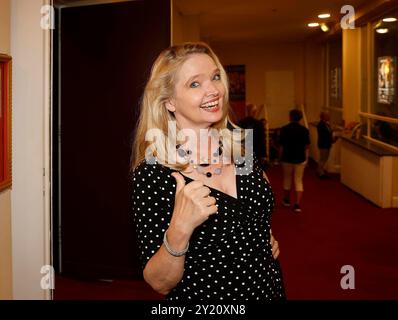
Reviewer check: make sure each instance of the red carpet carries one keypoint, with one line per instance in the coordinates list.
(337, 227)
(72, 289)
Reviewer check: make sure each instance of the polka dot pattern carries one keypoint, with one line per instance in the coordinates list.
(230, 255)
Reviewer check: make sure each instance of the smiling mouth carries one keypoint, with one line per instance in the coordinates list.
(210, 105)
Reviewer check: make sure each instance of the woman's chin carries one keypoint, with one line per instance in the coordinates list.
(214, 118)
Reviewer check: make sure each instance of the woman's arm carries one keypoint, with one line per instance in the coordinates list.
(164, 271)
(192, 207)
(152, 214)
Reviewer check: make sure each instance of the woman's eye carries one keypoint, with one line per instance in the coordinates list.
(194, 84)
(217, 77)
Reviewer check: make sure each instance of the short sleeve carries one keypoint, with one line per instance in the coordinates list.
(153, 202)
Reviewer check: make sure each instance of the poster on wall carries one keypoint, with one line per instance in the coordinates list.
(237, 90)
(386, 79)
(335, 83)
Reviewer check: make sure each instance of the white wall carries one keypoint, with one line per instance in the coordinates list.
(30, 217)
(5, 246)
(279, 96)
(177, 35)
(5, 26)
(260, 58)
(183, 27)
(5, 196)
(313, 80)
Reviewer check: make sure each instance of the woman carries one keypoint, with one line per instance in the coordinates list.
(203, 229)
(294, 141)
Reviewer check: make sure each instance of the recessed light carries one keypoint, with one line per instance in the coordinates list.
(392, 19)
(382, 30)
(324, 27)
(313, 24)
(324, 15)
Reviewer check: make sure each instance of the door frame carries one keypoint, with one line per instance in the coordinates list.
(31, 190)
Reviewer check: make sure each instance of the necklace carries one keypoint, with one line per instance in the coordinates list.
(208, 174)
(186, 154)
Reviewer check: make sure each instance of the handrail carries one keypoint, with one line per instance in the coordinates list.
(377, 117)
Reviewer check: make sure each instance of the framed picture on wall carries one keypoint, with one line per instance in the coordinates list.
(386, 73)
(335, 84)
(5, 121)
(237, 90)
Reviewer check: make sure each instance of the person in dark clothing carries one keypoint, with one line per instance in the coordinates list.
(250, 122)
(294, 141)
(325, 141)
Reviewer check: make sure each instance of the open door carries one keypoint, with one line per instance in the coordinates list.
(103, 54)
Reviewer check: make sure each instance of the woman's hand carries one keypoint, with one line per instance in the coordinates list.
(192, 205)
(275, 247)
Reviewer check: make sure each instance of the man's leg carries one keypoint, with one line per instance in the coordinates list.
(323, 159)
(298, 184)
(287, 182)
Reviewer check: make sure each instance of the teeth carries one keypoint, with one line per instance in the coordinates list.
(209, 104)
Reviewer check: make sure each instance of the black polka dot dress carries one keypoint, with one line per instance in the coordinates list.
(230, 256)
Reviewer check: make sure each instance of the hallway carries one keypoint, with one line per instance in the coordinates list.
(337, 227)
(73, 111)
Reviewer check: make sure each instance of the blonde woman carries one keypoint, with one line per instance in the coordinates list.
(202, 207)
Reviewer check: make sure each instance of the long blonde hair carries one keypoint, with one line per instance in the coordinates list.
(154, 114)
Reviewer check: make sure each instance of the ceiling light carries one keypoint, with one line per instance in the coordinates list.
(382, 30)
(324, 27)
(313, 24)
(389, 19)
(324, 15)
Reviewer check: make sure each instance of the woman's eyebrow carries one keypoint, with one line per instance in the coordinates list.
(199, 75)
(193, 78)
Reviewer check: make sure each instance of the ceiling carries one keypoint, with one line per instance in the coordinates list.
(252, 20)
(261, 20)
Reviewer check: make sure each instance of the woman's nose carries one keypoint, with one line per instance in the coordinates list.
(212, 90)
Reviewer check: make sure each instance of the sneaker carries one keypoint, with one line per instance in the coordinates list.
(286, 202)
(296, 208)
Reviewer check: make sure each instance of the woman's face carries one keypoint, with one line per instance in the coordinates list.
(198, 94)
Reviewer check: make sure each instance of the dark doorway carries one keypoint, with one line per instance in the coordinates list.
(102, 58)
